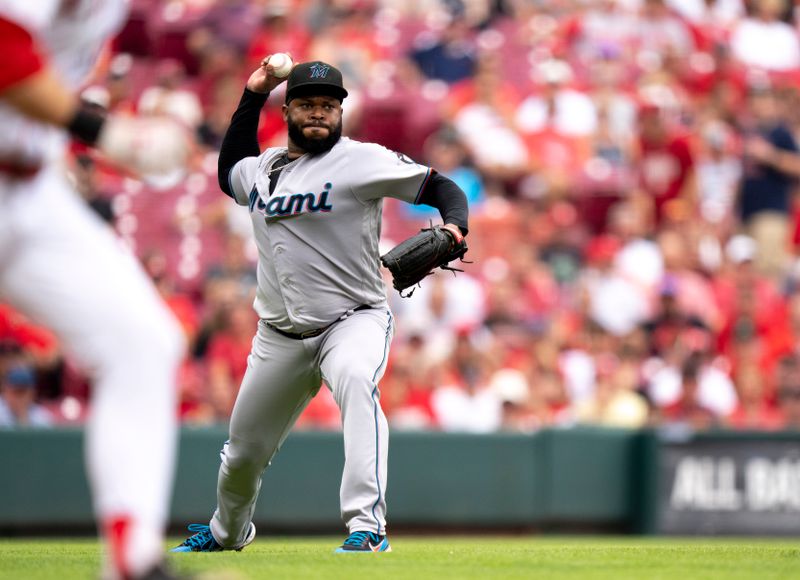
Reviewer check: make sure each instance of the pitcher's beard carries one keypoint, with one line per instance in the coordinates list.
(311, 145)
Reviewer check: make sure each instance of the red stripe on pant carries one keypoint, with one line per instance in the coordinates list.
(117, 532)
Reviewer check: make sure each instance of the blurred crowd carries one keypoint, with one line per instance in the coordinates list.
(631, 167)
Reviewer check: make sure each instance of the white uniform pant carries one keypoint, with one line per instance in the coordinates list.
(62, 267)
(283, 375)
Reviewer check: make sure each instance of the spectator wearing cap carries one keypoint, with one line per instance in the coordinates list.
(771, 168)
(17, 398)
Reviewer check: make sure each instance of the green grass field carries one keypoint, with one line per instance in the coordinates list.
(422, 557)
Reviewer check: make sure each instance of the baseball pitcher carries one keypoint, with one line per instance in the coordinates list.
(316, 212)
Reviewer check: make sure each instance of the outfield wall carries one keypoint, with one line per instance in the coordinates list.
(586, 477)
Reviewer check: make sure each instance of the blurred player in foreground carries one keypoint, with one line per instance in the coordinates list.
(60, 265)
(316, 212)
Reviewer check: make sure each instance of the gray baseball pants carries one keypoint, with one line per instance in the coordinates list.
(283, 375)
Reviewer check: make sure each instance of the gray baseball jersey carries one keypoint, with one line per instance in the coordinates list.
(317, 237)
(318, 233)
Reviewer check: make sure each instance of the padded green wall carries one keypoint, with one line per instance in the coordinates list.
(435, 479)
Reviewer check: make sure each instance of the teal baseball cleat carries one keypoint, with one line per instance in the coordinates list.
(360, 542)
(203, 540)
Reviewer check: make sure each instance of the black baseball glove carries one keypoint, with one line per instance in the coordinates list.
(412, 260)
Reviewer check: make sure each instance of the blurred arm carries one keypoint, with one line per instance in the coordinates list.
(27, 83)
(148, 146)
(783, 160)
(34, 89)
(43, 97)
(777, 150)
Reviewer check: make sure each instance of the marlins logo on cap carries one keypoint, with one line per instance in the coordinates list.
(319, 70)
(316, 78)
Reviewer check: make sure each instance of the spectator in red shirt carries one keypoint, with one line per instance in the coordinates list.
(789, 398)
(753, 410)
(666, 163)
(279, 31)
(407, 392)
(227, 357)
(789, 392)
(753, 316)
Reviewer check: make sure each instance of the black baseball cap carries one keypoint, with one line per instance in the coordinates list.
(315, 78)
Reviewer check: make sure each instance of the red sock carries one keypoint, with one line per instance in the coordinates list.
(117, 531)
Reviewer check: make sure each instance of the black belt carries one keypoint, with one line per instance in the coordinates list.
(316, 331)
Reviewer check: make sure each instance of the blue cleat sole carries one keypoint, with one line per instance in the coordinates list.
(382, 547)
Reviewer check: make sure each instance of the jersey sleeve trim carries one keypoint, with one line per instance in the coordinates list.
(237, 179)
(21, 59)
(230, 192)
(422, 187)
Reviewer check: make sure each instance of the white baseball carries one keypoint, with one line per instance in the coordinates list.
(281, 64)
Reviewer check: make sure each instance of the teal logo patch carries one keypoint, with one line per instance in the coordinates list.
(319, 71)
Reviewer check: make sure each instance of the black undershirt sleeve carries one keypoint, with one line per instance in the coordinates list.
(443, 194)
(241, 138)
